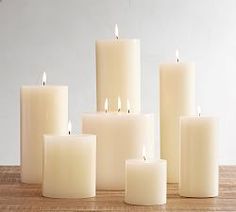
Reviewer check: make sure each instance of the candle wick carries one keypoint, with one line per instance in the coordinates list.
(177, 60)
(43, 84)
(129, 111)
(119, 110)
(106, 111)
(69, 132)
(144, 158)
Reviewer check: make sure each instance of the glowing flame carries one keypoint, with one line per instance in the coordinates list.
(44, 79)
(116, 32)
(199, 111)
(144, 153)
(69, 127)
(106, 105)
(128, 106)
(119, 104)
(177, 55)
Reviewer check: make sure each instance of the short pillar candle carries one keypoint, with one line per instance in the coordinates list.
(145, 182)
(69, 166)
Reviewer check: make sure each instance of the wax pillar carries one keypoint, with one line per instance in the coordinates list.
(146, 182)
(177, 98)
(198, 158)
(118, 73)
(120, 136)
(44, 109)
(69, 167)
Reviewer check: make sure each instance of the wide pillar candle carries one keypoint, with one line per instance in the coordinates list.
(120, 136)
(198, 163)
(118, 73)
(44, 109)
(69, 166)
(146, 182)
(177, 98)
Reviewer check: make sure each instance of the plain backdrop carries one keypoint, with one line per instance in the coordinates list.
(58, 36)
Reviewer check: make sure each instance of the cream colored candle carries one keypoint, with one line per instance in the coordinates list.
(44, 109)
(177, 98)
(69, 166)
(118, 72)
(198, 163)
(120, 136)
(146, 182)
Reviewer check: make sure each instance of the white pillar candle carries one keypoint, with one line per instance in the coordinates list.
(145, 182)
(177, 98)
(118, 72)
(44, 109)
(120, 136)
(69, 166)
(198, 161)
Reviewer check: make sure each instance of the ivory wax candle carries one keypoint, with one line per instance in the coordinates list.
(177, 98)
(44, 109)
(198, 158)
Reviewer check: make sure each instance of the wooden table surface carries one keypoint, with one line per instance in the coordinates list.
(15, 196)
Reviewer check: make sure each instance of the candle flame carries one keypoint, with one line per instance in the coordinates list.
(199, 111)
(69, 127)
(177, 55)
(44, 79)
(106, 105)
(116, 32)
(128, 106)
(144, 153)
(119, 104)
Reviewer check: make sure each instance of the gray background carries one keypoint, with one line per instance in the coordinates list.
(57, 36)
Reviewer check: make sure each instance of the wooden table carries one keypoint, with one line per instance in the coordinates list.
(15, 196)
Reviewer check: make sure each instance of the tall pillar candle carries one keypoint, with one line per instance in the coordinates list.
(177, 98)
(120, 136)
(118, 73)
(198, 161)
(44, 109)
(69, 166)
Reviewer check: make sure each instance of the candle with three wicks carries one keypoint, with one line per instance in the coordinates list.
(145, 181)
(120, 135)
(44, 109)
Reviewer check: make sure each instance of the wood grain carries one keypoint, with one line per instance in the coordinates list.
(15, 196)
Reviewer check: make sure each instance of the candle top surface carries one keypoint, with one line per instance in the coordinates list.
(197, 117)
(180, 64)
(117, 114)
(110, 40)
(147, 161)
(70, 136)
(42, 86)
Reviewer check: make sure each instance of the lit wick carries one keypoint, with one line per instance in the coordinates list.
(128, 106)
(106, 105)
(116, 32)
(199, 111)
(144, 153)
(119, 104)
(44, 79)
(177, 55)
(69, 127)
